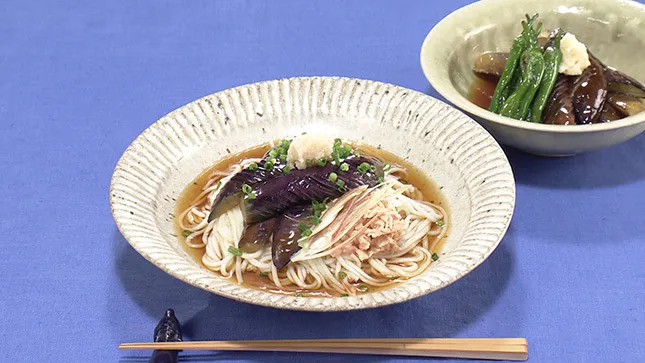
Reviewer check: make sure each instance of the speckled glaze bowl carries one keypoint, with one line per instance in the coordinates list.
(613, 30)
(451, 148)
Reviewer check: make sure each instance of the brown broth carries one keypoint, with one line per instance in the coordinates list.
(431, 192)
(482, 90)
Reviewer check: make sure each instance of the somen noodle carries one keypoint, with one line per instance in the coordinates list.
(370, 236)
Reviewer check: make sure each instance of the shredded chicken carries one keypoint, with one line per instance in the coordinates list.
(379, 230)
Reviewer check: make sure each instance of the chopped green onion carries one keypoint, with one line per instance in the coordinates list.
(342, 275)
(284, 144)
(304, 229)
(434, 257)
(336, 156)
(362, 287)
(322, 162)
(235, 251)
(440, 223)
(345, 151)
(341, 186)
(283, 157)
(380, 179)
(344, 295)
(248, 192)
(319, 207)
(332, 177)
(298, 294)
(315, 220)
(219, 184)
(337, 142)
(268, 165)
(253, 166)
(364, 168)
(358, 152)
(186, 233)
(273, 153)
(386, 167)
(246, 189)
(344, 167)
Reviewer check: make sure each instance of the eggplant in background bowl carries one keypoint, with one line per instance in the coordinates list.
(614, 31)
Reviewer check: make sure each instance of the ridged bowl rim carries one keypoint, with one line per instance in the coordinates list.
(465, 144)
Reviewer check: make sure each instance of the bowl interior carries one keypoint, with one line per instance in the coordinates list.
(614, 31)
(453, 150)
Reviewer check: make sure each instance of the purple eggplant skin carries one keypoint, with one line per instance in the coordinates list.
(303, 186)
(590, 93)
(559, 109)
(167, 330)
(256, 236)
(616, 76)
(286, 234)
(618, 81)
(230, 194)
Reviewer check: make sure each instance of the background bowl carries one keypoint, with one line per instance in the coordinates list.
(613, 30)
(455, 151)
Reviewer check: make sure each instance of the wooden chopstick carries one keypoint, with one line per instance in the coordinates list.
(472, 348)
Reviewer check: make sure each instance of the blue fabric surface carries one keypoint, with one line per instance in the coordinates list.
(81, 80)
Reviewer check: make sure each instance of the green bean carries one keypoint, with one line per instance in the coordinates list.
(532, 68)
(519, 45)
(552, 59)
(515, 82)
(535, 71)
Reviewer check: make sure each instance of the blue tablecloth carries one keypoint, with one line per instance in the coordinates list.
(80, 80)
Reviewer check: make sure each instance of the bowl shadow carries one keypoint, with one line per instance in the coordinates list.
(609, 167)
(150, 287)
(206, 316)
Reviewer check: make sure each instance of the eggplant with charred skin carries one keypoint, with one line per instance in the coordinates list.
(256, 236)
(271, 166)
(590, 93)
(491, 63)
(315, 183)
(622, 83)
(287, 232)
(559, 109)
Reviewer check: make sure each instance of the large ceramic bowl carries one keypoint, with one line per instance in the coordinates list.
(451, 148)
(613, 30)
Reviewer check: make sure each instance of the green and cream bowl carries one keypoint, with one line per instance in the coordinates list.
(613, 30)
